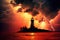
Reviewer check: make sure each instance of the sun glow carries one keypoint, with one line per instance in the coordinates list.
(31, 33)
(27, 17)
(42, 25)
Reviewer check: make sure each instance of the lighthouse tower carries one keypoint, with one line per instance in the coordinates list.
(32, 24)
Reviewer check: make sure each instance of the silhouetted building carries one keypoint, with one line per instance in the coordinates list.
(32, 24)
(32, 28)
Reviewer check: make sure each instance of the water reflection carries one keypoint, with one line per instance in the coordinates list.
(32, 36)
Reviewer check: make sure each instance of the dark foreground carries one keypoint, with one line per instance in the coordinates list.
(32, 36)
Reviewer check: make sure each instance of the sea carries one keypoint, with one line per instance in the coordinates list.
(31, 36)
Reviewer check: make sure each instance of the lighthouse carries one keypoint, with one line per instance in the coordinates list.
(32, 24)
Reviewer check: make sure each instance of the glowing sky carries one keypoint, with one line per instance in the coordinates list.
(11, 20)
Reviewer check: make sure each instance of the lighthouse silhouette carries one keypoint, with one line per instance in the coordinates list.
(32, 23)
(32, 28)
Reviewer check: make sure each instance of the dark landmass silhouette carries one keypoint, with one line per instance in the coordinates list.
(32, 28)
(24, 29)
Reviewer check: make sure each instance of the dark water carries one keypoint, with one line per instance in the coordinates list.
(32, 36)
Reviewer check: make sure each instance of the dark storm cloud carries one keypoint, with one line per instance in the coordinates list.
(4, 9)
(0, 6)
(50, 7)
(30, 3)
(24, 1)
(5, 15)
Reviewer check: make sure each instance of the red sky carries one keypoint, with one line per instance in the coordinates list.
(15, 20)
